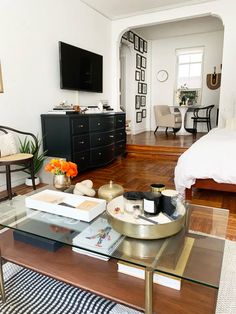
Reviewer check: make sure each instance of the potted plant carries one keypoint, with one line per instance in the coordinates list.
(28, 146)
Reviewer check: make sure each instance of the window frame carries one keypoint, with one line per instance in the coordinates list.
(188, 51)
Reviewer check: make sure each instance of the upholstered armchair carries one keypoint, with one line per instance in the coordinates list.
(165, 118)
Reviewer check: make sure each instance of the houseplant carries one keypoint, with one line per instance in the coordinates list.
(28, 146)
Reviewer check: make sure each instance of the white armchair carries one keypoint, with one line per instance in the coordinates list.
(165, 118)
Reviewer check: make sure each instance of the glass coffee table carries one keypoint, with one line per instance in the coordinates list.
(199, 246)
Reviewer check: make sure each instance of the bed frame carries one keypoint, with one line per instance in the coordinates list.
(209, 184)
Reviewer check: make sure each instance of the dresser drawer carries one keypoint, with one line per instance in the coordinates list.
(120, 148)
(102, 123)
(120, 135)
(81, 142)
(102, 156)
(79, 125)
(82, 159)
(120, 121)
(103, 138)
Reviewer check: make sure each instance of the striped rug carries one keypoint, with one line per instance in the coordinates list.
(28, 292)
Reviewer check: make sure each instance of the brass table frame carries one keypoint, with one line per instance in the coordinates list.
(2, 288)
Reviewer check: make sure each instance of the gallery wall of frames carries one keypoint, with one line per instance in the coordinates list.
(141, 47)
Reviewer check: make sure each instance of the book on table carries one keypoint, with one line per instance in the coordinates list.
(161, 278)
(98, 240)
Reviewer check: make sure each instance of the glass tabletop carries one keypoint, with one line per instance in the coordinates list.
(194, 254)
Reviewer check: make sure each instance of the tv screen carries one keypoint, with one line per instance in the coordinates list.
(80, 69)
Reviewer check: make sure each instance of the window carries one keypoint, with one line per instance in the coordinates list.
(189, 73)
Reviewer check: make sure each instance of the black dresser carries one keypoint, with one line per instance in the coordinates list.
(89, 140)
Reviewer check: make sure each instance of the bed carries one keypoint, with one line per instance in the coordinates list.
(210, 163)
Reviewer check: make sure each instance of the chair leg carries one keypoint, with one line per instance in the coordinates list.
(166, 131)
(156, 129)
(209, 122)
(2, 282)
(32, 174)
(8, 182)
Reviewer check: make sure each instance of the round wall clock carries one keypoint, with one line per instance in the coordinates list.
(162, 75)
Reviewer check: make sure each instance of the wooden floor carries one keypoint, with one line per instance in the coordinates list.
(137, 172)
(160, 139)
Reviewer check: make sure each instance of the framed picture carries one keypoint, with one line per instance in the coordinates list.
(136, 42)
(137, 75)
(131, 37)
(142, 75)
(144, 113)
(143, 101)
(1, 83)
(141, 45)
(139, 116)
(138, 61)
(145, 46)
(143, 62)
(144, 88)
(140, 88)
(125, 35)
(137, 101)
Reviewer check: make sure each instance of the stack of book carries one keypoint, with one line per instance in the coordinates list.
(160, 278)
(99, 240)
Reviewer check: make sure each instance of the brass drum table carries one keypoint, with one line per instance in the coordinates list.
(203, 266)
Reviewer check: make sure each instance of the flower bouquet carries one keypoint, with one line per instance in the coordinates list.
(62, 171)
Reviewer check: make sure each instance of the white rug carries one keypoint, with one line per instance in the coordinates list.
(226, 303)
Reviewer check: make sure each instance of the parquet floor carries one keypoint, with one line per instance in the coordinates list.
(138, 171)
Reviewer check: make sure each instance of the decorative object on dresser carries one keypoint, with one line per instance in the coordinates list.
(90, 140)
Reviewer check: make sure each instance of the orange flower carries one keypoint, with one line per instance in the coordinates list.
(60, 166)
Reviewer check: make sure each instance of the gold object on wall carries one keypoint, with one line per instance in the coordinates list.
(1, 83)
(213, 80)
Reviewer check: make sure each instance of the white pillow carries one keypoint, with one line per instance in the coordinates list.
(230, 123)
(7, 145)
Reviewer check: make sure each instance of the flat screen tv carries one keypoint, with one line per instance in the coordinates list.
(80, 69)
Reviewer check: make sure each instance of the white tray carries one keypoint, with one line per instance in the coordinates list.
(86, 208)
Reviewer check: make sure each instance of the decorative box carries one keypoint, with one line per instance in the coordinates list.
(65, 204)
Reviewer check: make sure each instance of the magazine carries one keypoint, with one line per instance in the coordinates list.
(99, 237)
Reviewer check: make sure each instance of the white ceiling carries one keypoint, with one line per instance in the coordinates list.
(181, 28)
(116, 9)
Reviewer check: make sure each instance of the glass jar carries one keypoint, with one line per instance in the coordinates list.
(132, 201)
(151, 203)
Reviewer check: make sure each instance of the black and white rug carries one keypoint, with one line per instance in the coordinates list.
(28, 292)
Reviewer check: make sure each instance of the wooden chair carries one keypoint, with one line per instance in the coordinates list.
(202, 115)
(22, 161)
(165, 118)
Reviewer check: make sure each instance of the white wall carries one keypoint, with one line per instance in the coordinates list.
(128, 53)
(164, 57)
(29, 35)
(225, 9)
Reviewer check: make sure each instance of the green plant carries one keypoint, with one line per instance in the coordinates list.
(28, 146)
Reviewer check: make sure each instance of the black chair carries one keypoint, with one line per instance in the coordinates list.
(22, 161)
(202, 115)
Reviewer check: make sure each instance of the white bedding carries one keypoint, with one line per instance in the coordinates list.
(212, 157)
